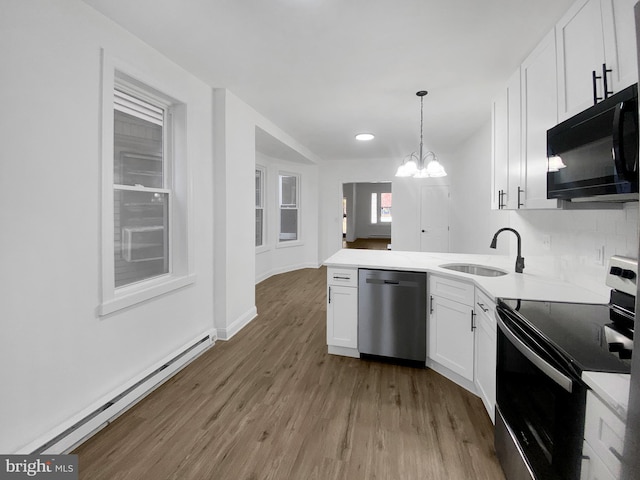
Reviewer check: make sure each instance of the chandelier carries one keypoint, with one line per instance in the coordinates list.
(418, 165)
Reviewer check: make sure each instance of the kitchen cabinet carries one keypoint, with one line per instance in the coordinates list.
(342, 311)
(505, 169)
(485, 352)
(591, 34)
(450, 332)
(539, 113)
(603, 441)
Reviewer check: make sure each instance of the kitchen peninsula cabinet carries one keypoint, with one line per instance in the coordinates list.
(451, 325)
(591, 34)
(342, 311)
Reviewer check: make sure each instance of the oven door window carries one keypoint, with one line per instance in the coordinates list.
(546, 419)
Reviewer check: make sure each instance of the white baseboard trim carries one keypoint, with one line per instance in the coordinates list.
(71, 433)
(453, 376)
(289, 268)
(343, 351)
(238, 324)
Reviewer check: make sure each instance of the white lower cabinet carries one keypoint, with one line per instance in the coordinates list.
(603, 441)
(342, 311)
(485, 352)
(593, 468)
(450, 332)
(461, 337)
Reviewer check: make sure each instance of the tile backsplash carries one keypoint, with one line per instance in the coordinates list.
(575, 245)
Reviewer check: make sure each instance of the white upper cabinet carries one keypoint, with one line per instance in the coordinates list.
(591, 34)
(505, 173)
(620, 42)
(539, 113)
(499, 151)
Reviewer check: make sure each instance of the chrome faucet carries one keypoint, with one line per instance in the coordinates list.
(519, 258)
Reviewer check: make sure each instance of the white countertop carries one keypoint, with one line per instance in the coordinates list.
(532, 284)
(612, 388)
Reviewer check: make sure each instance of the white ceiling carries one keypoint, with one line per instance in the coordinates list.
(324, 70)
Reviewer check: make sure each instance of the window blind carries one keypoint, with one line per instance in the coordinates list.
(131, 105)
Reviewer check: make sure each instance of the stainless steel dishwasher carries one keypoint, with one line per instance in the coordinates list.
(392, 314)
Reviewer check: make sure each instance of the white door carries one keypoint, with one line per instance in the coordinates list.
(434, 218)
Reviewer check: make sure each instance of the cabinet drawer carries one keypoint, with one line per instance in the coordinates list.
(342, 276)
(604, 431)
(485, 309)
(452, 289)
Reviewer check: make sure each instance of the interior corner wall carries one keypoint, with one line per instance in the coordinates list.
(58, 357)
(473, 223)
(235, 213)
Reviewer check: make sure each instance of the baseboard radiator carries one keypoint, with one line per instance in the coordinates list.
(104, 415)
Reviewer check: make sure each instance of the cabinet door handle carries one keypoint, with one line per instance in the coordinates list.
(482, 307)
(605, 83)
(594, 80)
(520, 204)
(473, 323)
(430, 304)
(338, 277)
(500, 199)
(329, 294)
(615, 453)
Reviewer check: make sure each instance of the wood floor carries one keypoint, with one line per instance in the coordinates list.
(368, 243)
(272, 404)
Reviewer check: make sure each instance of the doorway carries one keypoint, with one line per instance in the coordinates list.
(366, 215)
(434, 218)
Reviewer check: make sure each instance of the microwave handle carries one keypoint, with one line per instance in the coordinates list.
(618, 148)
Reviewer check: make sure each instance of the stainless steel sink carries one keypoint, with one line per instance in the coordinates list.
(471, 269)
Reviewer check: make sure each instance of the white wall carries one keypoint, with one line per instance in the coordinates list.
(58, 357)
(273, 258)
(473, 223)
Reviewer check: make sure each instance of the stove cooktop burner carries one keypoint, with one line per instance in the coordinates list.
(591, 336)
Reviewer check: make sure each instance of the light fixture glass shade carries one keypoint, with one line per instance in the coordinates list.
(435, 169)
(555, 163)
(408, 168)
(365, 137)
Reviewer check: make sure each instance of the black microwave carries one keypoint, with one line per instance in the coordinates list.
(593, 156)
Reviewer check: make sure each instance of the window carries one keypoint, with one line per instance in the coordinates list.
(383, 214)
(385, 207)
(146, 231)
(289, 207)
(374, 208)
(259, 207)
(140, 194)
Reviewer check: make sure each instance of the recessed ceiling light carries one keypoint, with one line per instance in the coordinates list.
(365, 137)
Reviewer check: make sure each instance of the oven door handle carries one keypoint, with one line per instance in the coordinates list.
(549, 370)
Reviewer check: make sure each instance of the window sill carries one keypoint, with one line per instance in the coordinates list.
(138, 293)
(290, 243)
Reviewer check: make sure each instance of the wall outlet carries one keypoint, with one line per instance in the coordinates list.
(546, 242)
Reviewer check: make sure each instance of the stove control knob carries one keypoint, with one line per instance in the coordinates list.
(616, 346)
(628, 274)
(617, 271)
(625, 354)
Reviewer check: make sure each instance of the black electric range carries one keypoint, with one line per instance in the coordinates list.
(592, 337)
